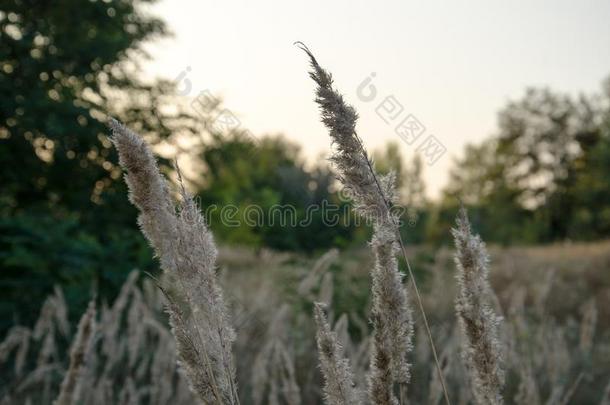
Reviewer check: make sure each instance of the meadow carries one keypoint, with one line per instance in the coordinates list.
(555, 303)
(124, 282)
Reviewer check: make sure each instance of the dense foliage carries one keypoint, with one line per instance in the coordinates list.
(64, 218)
(277, 201)
(543, 177)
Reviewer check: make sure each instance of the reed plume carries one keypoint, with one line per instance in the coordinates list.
(373, 197)
(588, 325)
(273, 367)
(339, 385)
(479, 323)
(181, 238)
(78, 352)
(606, 395)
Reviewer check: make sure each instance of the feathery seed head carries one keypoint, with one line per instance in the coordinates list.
(181, 238)
(349, 156)
(339, 386)
(373, 196)
(78, 353)
(479, 323)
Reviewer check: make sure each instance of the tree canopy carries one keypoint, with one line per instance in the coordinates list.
(544, 175)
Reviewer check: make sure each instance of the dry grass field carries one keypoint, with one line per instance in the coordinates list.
(555, 333)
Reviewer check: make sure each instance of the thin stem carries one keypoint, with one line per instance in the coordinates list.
(411, 276)
(572, 389)
(206, 359)
(187, 296)
(428, 332)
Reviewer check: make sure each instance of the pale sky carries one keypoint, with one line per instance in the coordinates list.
(452, 65)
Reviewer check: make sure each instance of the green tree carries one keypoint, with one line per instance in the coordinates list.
(479, 180)
(590, 189)
(249, 186)
(65, 67)
(540, 178)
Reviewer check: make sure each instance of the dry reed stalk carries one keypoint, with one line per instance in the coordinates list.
(606, 395)
(53, 318)
(554, 354)
(273, 366)
(18, 337)
(38, 377)
(572, 390)
(481, 348)
(339, 385)
(341, 329)
(373, 196)
(527, 392)
(285, 374)
(185, 245)
(319, 269)
(78, 353)
(588, 325)
(435, 391)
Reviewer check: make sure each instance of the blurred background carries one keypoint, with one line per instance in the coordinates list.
(505, 106)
